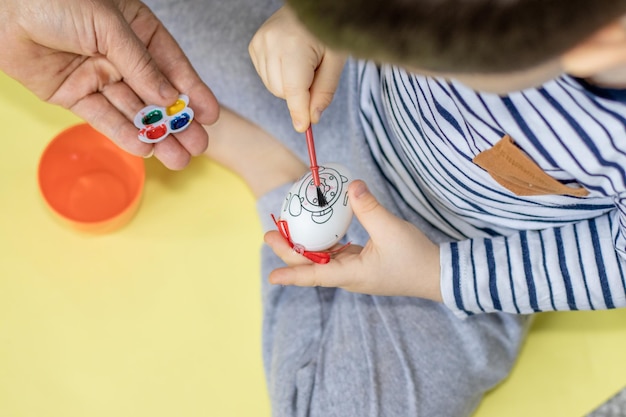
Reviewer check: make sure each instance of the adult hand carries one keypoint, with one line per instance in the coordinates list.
(296, 66)
(397, 260)
(105, 60)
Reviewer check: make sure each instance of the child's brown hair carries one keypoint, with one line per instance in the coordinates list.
(458, 36)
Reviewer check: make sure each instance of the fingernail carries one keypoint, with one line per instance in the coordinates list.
(317, 115)
(150, 154)
(360, 189)
(275, 280)
(298, 125)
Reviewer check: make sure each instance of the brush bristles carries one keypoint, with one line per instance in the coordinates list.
(321, 200)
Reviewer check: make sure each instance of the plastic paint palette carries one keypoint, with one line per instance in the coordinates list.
(155, 123)
(88, 182)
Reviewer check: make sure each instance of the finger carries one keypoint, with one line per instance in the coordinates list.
(325, 84)
(194, 139)
(123, 98)
(301, 276)
(156, 68)
(175, 65)
(127, 103)
(283, 250)
(172, 154)
(297, 77)
(379, 223)
(262, 70)
(274, 78)
(256, 59)
(340, 273)
(107, 119)
(129, 54)
(255, 50)
(94, 91)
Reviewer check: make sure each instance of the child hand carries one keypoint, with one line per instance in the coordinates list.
(296, 66)
(397, 260)
(105, 60)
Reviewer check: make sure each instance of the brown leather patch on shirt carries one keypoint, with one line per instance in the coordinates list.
(514, 170)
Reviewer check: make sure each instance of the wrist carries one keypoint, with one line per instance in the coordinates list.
(432, 275)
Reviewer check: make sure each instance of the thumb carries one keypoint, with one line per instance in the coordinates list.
(375, 218)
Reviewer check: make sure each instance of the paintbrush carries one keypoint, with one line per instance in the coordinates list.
(321, 200)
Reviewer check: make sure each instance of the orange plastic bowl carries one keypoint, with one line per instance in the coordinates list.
(89, 182)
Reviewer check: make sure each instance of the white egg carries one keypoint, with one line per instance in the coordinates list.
(312, 227)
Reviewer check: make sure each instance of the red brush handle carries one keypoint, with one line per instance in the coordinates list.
(312, 158)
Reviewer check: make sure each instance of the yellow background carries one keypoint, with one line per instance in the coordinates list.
(162, 318)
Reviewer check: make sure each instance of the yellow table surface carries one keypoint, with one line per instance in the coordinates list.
(162, 318)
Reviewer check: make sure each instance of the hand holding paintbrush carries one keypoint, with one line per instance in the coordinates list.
(321, 200)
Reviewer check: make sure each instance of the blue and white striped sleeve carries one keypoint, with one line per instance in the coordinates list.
(575, 266)
(579, 266)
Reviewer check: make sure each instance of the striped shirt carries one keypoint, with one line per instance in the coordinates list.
(512, 253)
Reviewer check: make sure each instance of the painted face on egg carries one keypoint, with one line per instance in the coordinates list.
(332, 184)
(313, 227)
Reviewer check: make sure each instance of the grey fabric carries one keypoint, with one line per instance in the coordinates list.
(613, 407)
(328, 352)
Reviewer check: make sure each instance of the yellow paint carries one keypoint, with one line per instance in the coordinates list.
(176, 107)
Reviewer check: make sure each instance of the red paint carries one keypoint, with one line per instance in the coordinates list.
(156, 132)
